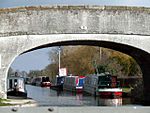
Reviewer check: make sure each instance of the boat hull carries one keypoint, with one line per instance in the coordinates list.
(45, 84)
(57, 87)
(111, 93)
(16, 94)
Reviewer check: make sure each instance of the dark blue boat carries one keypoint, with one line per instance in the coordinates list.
(59, 83)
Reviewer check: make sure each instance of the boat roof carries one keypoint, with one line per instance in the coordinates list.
(101, 74)
(15, 77)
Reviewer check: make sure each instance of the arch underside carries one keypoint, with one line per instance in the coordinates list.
(141, 56)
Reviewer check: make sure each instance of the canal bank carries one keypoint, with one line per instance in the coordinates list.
(20, 102)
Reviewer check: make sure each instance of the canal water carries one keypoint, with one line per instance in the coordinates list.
(49, 97)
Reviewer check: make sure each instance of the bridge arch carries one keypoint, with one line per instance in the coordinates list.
(125, 29)
(127, 46)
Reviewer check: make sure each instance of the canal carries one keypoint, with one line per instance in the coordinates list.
(49, 97)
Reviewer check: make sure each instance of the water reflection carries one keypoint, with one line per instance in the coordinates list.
(49, 97)
(109, 102)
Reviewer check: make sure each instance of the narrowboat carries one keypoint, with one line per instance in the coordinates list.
(42, 81)
(74, 83)
(58, 85)
(103, 85)
(16, 87)
(45, 82)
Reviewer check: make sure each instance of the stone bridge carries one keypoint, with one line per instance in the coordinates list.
(125, 29)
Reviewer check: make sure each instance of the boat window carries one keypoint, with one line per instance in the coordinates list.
(118, 83)
(47, 79)
(10, 83)
(88, 80)
(15, 82)
(104, 81)
(60, 80)
(94, 81)
(38, 79)
(114, 83)
(108, 78)
(43, 79)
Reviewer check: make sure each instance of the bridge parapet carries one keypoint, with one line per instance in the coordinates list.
(43, 20)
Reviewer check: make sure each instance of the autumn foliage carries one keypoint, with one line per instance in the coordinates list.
(83, 60)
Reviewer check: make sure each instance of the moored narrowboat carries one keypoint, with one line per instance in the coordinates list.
(58, 85)
(74, 83)
(45, 82)
(42, 81)
(103, 85)
(16, 87)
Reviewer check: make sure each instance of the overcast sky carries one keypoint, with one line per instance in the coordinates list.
(39, 59)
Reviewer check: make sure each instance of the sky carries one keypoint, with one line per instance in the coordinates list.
(17, 3)
(39, 59)
(34, 60)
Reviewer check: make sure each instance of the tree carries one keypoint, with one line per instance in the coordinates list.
(35, 73)
(124, 64)
(81, 60)
(78, 60)
(51, 70)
